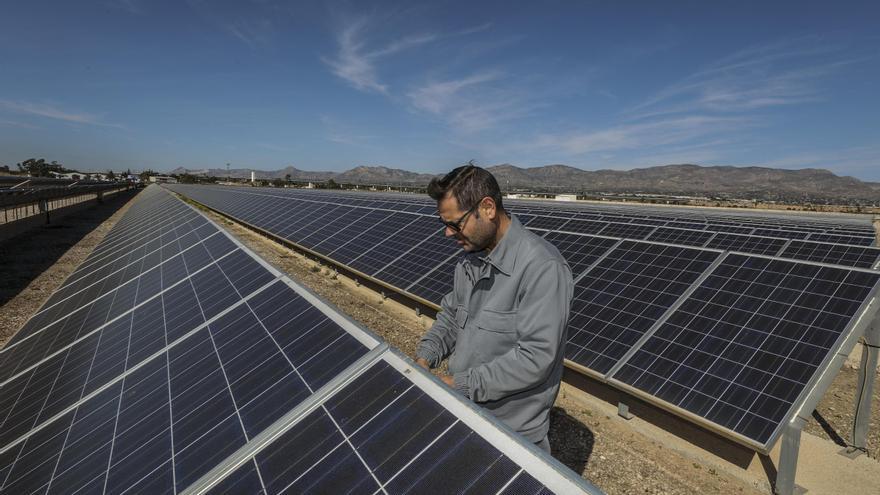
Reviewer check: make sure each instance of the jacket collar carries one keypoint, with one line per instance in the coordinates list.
(503, 257)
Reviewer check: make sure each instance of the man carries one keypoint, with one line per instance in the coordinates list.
(503, 325)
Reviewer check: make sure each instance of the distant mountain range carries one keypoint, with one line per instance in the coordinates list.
(693, 180)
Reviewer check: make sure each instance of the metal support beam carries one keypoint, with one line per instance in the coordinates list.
(864, 391)
(623, 411)
(788, 457)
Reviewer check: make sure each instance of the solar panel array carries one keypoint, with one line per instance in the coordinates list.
(657, 291)
(174, 360)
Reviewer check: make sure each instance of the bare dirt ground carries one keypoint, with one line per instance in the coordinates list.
(598, 445)
(34, 264)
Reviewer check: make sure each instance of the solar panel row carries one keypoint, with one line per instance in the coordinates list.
(177, 374)
(788, 225)
(629, 291)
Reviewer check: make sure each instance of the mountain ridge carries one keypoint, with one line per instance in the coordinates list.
(680, 179)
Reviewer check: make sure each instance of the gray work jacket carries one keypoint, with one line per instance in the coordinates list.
(504, 324)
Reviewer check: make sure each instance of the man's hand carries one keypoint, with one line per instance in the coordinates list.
(423, 363)
(449, 380)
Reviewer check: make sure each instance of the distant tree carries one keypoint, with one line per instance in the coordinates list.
(286, 177)
(145, 175)
(331, 184)
(110, 175)
(277, 182)
(187, 179)
(4, 168)
(37, 167)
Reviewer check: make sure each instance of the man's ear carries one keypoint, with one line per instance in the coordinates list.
(487, 205)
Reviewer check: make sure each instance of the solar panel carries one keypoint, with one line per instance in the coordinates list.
(411, 265)
(368, 239)
(436, 283)
(857, 240)
(168, 388)
(627, 231)
(394, 246)
(547, 223)
(680, 236)
(858, 256)
(387, 430)
(352, 231)
(744, 348)
(787, 234)
(584, 226)
(580, 251)
(746, 243)
(619, 299)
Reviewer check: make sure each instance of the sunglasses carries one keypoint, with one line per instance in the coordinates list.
(458, 225)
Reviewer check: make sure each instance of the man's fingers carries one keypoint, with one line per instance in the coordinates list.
(423, 363)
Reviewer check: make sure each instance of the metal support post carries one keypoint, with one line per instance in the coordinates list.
(864, 391)
(44, 208)
(788, 457)
(623, 411)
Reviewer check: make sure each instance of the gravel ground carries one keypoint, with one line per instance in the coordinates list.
(600, 447)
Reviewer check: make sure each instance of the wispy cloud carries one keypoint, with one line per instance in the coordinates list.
(474, 103)
(359, 53)
(355, 62)
(52, 112)
(253, 32)
(249, 22)
(639, 136)
(13, 123)
(781, 73)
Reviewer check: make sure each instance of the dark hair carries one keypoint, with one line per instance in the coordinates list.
(469, 184)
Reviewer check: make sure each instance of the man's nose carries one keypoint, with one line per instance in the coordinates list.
(448, 232)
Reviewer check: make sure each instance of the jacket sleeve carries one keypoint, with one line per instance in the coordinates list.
(542, 315)
(439, 341)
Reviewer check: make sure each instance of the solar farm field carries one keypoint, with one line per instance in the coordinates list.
(730, 321)
(175, 360)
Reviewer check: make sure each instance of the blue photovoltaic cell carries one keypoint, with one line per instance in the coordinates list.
(627, 231)
(580, 251)
(743, 347)
(746, 243)
(857, 256)
(858, 240)
(381, 432)
(386, 250)
(548, 223)
(416, 262)
(680, 236)
(617, 301)
(221, 386)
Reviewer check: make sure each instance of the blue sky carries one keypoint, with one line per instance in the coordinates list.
(333, 85)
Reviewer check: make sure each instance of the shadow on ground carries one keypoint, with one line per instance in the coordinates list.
(829, 430)
(570, 440)
(27, 255)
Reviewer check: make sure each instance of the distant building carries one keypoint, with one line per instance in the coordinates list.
(566, 197)
(163, 179)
